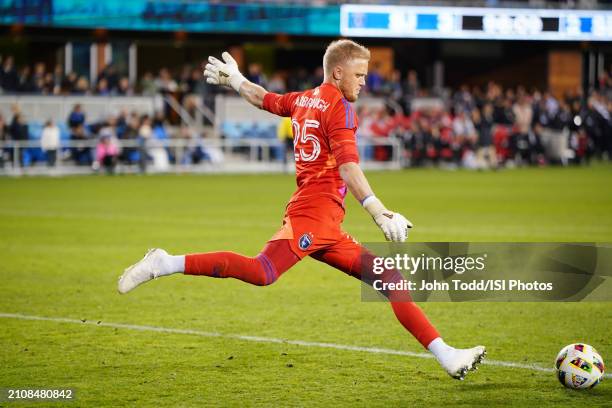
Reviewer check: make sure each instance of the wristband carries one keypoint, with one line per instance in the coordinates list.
(236, 81)
(373, 206)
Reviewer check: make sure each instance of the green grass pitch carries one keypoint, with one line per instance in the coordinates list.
(64, 241)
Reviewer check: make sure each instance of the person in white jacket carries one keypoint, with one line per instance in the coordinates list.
(50, 141)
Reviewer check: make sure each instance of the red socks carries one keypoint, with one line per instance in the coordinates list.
(277, 257)
(409, 314)
(257, 271)
(264, 269)
(414, 320)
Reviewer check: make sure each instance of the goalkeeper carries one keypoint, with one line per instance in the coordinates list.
(327, 165)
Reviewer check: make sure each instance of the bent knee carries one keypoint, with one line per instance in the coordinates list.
(268, 274)
(265, 280)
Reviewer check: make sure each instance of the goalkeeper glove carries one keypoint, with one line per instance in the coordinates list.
(393, 225)
(224, 73)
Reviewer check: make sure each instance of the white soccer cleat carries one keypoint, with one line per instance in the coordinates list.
(458, 362)
(143, 271)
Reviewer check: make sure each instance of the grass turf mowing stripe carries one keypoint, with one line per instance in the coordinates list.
(375, 350)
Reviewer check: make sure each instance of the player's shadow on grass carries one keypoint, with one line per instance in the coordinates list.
(595, 396)
(601, 392)
(468, 387)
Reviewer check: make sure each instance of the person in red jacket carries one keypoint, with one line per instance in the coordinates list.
(327, 166)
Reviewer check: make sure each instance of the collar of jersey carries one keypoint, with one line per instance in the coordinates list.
(331, 85)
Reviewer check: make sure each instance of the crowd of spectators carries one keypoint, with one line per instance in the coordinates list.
(491, 127)
(474, 127)
(128, 138)
(39, 79)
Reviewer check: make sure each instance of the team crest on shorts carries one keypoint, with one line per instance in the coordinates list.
(305, 241)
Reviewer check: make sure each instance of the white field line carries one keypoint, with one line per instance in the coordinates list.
(375, 350)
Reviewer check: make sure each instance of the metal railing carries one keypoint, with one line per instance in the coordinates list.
(196, 155)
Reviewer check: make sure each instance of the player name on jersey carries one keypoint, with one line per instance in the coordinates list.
(316, 103)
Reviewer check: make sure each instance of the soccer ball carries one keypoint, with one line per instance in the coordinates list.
(579, 366)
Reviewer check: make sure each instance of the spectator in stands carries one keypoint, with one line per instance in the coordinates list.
(4, 130)
(419, 142)
(131, 124)
(523, 141)
(49, 86)
(109, 128)
(109, 74)
(50, 142)
(25, 83)
(160, 127)
(465, 138)
(81, 87)
(193, 152)
(8, 74)
(197, 85)
(381, 127)
(164, 83)
(463, 100)
(78, 132)
(81, 153)
(277, 84)
(393, 87)
(147, 85)
(167, 87)
(299, 81)
(554, 129)
(463, 127)
(68, 84)
(155, 149)
(102, 88)
(107, 152)
(485, 153)
(502, 111)
(58, 77)
(256, 75)
(478, 97)
(124, 88)
(5, 153)
(410, 90)
(186, 82)
(145, 131)
(76, 116)
(39, 71)
(18, 128)
(375, 80)
(601, 109)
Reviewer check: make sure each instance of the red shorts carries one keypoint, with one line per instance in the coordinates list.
(318, 234)
(314, 229)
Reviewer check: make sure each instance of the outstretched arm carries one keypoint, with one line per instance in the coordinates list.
(252, 93)
(226, 73)
(393, 225)
(355, 180)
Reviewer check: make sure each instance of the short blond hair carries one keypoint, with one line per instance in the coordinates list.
(340, 51)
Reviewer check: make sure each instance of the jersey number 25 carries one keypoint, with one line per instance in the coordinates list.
(301, 138)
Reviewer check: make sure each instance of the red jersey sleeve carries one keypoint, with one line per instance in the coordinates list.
(341, 123)
(279, 104)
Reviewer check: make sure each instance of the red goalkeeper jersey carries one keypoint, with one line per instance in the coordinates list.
(324, 127)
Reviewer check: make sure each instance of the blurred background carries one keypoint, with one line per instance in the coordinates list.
(116, 86)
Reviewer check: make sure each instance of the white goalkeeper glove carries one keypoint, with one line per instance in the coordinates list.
(224, 73)
(393, 225)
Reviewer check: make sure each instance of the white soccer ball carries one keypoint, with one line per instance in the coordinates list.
(579, 366)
